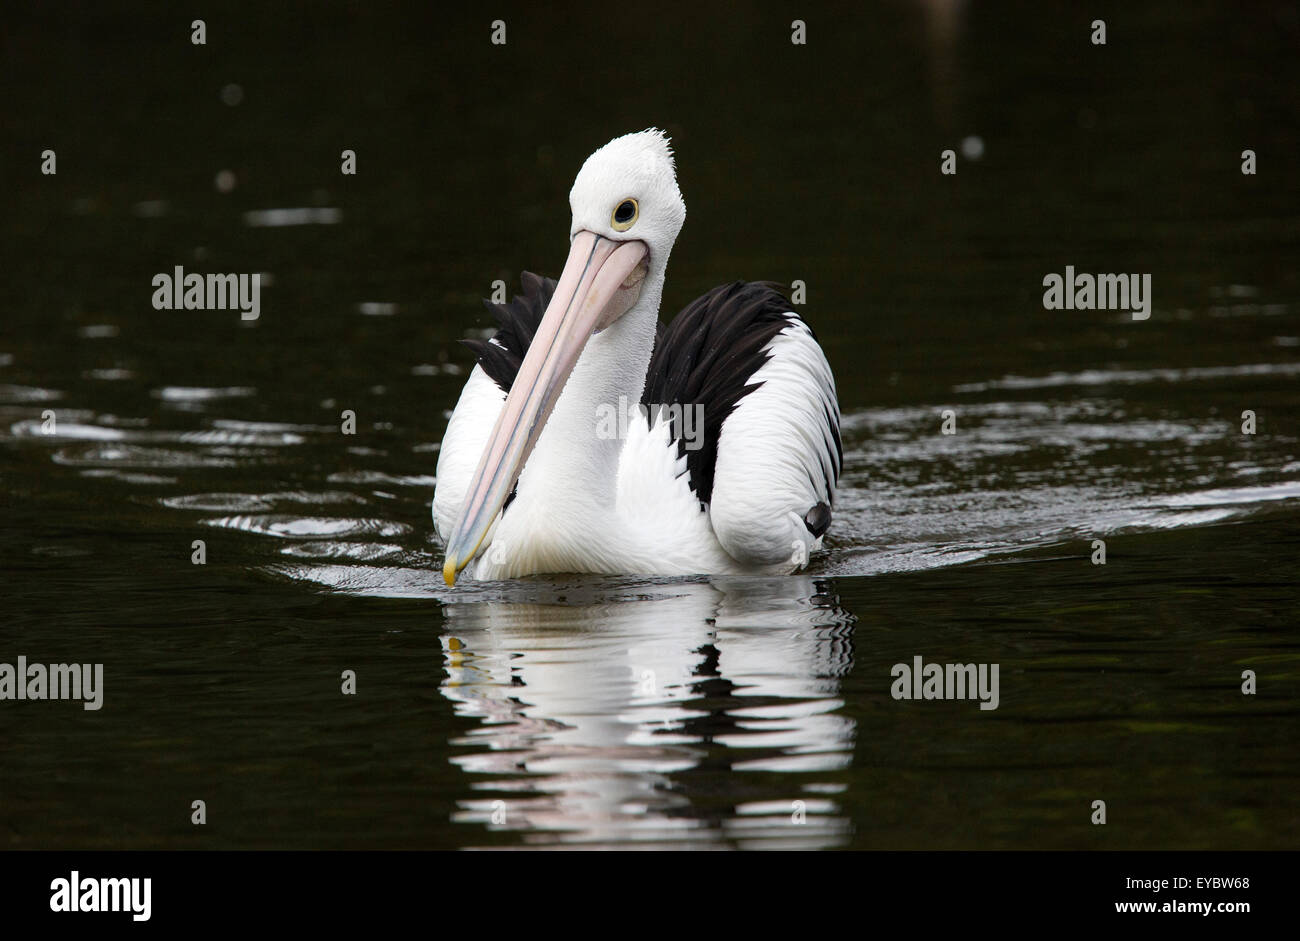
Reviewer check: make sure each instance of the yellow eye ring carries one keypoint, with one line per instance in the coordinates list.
(625, 215)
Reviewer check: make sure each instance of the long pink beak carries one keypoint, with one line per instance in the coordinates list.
(590, 295)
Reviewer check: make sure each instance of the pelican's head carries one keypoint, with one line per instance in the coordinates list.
(627, 212)
(627, 192)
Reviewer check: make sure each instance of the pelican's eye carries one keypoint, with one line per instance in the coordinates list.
(625, 214)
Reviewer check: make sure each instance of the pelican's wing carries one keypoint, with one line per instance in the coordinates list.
(766, 464)
(480, 402)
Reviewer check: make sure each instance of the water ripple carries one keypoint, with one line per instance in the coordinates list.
(308, 527)
(1097, 377)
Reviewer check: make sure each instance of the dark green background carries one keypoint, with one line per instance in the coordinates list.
(818, 163)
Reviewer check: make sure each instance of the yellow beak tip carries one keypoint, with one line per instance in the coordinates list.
(449, 572)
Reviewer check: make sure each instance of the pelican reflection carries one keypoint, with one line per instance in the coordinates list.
(678, 714)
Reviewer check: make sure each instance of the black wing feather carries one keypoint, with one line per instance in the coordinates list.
(707, 356)
(517, 324)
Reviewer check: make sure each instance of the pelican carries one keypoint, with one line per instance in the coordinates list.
(589, 438)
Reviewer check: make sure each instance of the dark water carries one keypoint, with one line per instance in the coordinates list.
(682, 713)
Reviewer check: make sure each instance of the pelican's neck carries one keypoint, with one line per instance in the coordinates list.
(575, 462)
